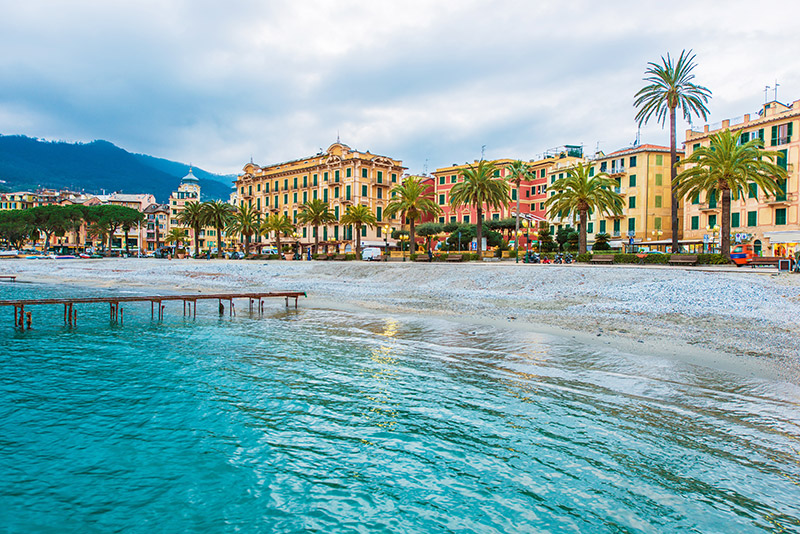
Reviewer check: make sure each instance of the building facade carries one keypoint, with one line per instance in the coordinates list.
(642, 174)
(339, 176)
(770, 223)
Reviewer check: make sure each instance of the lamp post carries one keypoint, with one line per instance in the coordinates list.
(386, 229)
(403, 238)
(714, 231)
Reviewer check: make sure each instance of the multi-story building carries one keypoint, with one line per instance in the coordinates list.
(156, 225)
(189, 191)
(642, 174)
(770, 223)
(340, 176)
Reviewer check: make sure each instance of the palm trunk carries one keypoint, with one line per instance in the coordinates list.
(247, 245)
(278, 241)
(411, 235)
(358, 241)
(725, 238)
(196, 241)
(219, 242)
(479, 229)
(316, 239)
(127, 250)
(516, 235)
(673, 172)
(582, 233)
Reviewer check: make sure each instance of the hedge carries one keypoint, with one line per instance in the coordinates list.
(659, 259)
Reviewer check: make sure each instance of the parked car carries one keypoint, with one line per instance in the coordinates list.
(235, 255)
(371, 254)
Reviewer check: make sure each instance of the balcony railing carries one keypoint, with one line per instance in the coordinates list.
(706, 207)
(619, 169)
(785, 198)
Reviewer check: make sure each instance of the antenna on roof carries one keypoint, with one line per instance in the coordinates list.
(483, 151)
(776, 89)
(337, 136)
(425, 168)
(638, 136)
(766, 88)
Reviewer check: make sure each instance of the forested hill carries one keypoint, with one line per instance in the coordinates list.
(27, 163)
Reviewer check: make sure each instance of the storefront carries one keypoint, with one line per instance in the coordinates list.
(784, 244)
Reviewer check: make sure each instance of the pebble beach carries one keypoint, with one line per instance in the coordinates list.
(742, 320)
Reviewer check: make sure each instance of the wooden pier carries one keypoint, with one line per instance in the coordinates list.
(255, 300)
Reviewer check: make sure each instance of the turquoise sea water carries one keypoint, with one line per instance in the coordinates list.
(326, 421)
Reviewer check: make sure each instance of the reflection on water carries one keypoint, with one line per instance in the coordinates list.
(331, 421)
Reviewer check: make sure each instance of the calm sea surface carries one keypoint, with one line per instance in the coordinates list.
(327, 421)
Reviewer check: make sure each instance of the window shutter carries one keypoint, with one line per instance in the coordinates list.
(774, 136)
(789, 133)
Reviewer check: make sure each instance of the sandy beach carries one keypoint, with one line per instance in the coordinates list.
(743, 321)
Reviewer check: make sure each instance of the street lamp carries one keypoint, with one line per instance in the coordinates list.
(403, 238)
(715, 231)
(386, 229)
(656, 234)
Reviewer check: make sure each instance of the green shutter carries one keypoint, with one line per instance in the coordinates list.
(631, 224)
(632, 180)
(789, 133)
(735, 220)
(774, 136)
(631, 202)
(695, 222)
(753, 190)
(780, 216)
(752, 218)
(602, 227)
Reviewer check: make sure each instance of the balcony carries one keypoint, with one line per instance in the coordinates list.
(781, 200)
(619, 169)
(619, 191)
(706, 207)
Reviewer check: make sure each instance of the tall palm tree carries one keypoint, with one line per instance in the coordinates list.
(479, 189)
(670, 87)
(177, 236)
(217, 214)
(581, 193)
(246, 222)
(280, 224)
(412, 199)
(358, 216)
(316, 213)
(518, 171)
(193, 216)
(726, 168)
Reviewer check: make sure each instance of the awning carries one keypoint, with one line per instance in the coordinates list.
(783, 237)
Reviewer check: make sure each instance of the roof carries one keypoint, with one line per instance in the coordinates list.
(191, 178)
(640, 148)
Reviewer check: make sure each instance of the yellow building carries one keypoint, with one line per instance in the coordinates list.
(189, 191)
(340, 176)
(770, 223)
(643, 177)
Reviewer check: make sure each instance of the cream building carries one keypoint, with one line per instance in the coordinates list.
(339, 176)
(770, 223)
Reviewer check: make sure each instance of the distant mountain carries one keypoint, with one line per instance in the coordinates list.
(27, 163)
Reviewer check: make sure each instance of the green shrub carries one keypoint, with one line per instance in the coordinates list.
(350, 257)
(413, 256)
(657, 259)
(626, 258)
(583, 258)
(711, 259)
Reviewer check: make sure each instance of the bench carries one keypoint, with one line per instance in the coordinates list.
(602, 258)
(772, 260)
(422, 257)
(454, 257)
(688, 259)
(340, 257)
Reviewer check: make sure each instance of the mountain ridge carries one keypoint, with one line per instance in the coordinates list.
(28, 163)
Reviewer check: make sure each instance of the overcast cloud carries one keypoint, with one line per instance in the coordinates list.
(215, 83)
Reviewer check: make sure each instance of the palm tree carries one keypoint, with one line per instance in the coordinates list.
(177, 236)
(358, 216)
(726, 168)
(246, 222)
(280, 224)
(670, 87)
(480, 189)
(316, 213)
(412, 199)
(193, 216)
(518, 171)
(217, 214)
(579, 192)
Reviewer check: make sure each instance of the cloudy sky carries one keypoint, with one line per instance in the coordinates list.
(215, 83)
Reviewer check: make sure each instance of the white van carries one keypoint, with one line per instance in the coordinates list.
(371, 254)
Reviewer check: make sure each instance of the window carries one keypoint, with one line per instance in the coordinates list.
(258, 187)
(452, 179)
(363, 231)
(782, 187)
(305, 197)
(603, 167)
(632, 180)
(380, 193)
(695, 146)
(276, 201)
(780, 161)
(659, 159)
(658, 201)
(325, 195)
(305, 231)
(286, 184)
(294, 182)
(250, 190)
(276, 186)
(315, 179)
(631, 202)
(752, 190)
(364, 173)
(380, 177)
(632, 162)
(735, 220)
(349, 172)
(258, 203)
(616, 227)
(496, 173)
(305, 181)
(752, 218)
(602, 227)
(314, 194)
(336, 212)
(541, 206)
(347, 192)
(712, 199)
(294, 197)
(379, 215)
(712, 220)
(591, 172)
(590, 228)
(542, 173)
(363, 190)
(659, 179)
(695, 222)
(441, 221)
(466, 218)
(335, 176)
(514, 194)
(394, 177)
(632, 224)
(495, 216)
(441, 180)
(266, 187)
(782, 134)
(452, 218)
(324, 176)
(657, 223)
(441, 200)
(335, 192)
(285, 199)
